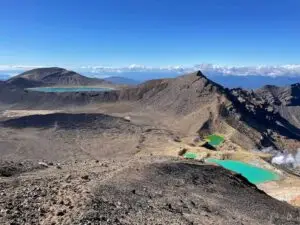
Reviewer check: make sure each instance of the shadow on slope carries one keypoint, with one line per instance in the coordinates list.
(13, 168)
(21, 82)
(295, 93)
(65, 121)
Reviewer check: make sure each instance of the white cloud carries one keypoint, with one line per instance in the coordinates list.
(15, 67)
(211, 69)
(285, 70)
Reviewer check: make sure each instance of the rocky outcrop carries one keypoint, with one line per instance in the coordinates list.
(285, 101)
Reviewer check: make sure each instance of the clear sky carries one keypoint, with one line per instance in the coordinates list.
(149, 32)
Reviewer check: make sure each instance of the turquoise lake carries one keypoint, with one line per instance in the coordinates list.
(254, 174)
(69, 89)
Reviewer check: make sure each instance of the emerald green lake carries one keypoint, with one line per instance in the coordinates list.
(69, 89)
(253, 174)
(190, 155)
(215, 140)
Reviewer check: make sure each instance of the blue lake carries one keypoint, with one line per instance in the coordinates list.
(254, 174)
(69, 89)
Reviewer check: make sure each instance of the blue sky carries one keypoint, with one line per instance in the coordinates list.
(155, 33)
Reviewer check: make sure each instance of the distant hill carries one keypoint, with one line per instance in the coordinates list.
(53, 76)
(122, 80)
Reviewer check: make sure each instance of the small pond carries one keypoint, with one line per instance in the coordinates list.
(215, 140)
(253, 174)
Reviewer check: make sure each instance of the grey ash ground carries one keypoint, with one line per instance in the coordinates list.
(149, 190)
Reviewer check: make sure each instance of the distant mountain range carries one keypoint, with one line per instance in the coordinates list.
(229, 81)
(4, 76)
(122, 80)
(253, 82)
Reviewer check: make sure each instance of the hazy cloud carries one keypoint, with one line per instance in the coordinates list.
(211, 69)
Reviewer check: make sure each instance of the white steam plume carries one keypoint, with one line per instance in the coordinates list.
(287, 159)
